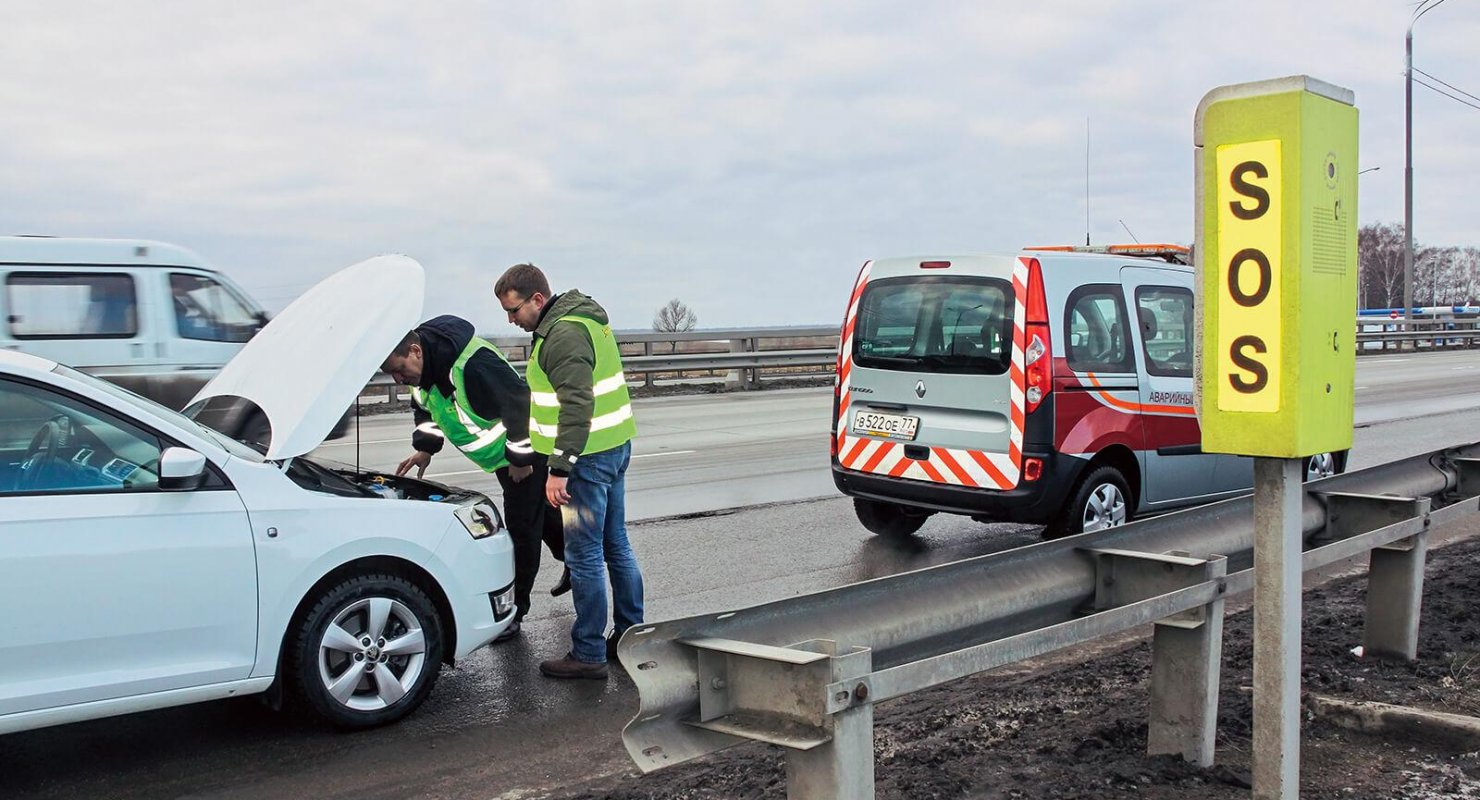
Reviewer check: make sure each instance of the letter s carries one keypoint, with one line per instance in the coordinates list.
(1246, 362)
(1243, 187)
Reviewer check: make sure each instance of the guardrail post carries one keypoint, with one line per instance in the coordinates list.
(647, 350)
(843, 768)
(811, 698)
(1394, 597)
(392, 393)
(1186, 648)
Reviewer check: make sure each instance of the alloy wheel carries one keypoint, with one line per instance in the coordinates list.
(372, 654)
(1105, 508)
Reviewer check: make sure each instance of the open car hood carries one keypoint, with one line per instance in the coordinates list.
(307, 365)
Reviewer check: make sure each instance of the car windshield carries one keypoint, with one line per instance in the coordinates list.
(119, 393)
(935, 324)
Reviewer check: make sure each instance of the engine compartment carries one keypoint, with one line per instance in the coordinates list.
(345, 481)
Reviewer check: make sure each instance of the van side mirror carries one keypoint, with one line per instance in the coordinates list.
(181, 469)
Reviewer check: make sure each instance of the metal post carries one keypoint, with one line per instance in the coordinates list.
(647, 350)
(1408, 185)
(1394, 598)
(843, 767)
(1278, 499)
(1185, 662)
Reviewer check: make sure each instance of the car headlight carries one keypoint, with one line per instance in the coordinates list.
(481, 519)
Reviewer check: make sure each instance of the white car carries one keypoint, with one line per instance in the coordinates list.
(148, 561)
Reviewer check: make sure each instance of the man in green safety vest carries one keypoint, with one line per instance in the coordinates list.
(467, 393)
(580, 419)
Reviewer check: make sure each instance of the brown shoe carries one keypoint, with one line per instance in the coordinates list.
(569, 667)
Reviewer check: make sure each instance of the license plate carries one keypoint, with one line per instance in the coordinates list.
(889, 426)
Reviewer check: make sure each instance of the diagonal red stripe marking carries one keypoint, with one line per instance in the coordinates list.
(951, 464)
(877, 457)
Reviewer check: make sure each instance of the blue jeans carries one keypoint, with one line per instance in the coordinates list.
(596, 546)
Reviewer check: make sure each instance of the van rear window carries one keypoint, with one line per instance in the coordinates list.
(935, 324)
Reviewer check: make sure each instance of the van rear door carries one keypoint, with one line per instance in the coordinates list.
(926, 380)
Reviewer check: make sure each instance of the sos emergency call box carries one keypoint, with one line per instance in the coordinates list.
(1276, 251)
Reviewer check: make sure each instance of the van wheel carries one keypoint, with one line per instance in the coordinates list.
(1100, 500)
(888, 519)
(1322, 465)
(366, 652)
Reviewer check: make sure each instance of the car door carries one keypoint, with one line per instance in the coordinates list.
(113, 586)
(1161, 303)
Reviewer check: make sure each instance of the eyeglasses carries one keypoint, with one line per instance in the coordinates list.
(512, 311)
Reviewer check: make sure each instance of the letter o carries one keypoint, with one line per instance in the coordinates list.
(1265, 276)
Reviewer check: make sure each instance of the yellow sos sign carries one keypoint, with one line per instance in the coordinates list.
(1248, 256)
(1277, 259)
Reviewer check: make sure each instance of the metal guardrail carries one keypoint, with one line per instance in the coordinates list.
(805, 672)
(744, 356)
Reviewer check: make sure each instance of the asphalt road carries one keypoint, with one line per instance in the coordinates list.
(495, 729)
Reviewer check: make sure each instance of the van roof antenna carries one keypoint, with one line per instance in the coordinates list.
(1086, 181)
(1128, 230)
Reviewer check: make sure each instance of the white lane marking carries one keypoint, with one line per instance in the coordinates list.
(1358, 388)
(1382, 360)
(1455, 369)
(665, 453)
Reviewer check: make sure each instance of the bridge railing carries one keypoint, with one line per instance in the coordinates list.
(743, 357)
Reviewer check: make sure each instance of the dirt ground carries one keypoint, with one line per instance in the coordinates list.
(1075, 727)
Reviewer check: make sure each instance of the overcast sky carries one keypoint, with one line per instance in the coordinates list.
(745, 157)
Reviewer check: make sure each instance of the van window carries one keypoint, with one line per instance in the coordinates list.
(1096, 331)
(204, 309)
(72, 305)
(1165, 316)
(935, 324)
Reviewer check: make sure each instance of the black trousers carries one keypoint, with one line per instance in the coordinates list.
(530, 520)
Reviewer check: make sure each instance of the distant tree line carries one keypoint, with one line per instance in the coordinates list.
(1442, 276)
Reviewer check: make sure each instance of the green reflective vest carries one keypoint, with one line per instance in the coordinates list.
(481, 440)
(611, 414)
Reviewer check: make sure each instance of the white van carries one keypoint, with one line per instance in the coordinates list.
(1048, 386)
(148, 316)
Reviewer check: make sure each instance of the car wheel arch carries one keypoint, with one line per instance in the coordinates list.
(1123, 459)
(386, 565)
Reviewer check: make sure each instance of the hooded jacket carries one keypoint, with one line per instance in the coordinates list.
(569, 358)
(494, 389)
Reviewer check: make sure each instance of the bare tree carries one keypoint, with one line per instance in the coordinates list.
(675, 317)
(1380, 265)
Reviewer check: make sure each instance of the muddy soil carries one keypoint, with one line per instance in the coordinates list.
(1075, 727)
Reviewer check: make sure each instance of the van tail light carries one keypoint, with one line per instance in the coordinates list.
(1037, 356)
(844, 361)
(1032, 469)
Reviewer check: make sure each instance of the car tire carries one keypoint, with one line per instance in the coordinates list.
(329, 649)
(888, 519)
(1324, 465)
(1100, 500)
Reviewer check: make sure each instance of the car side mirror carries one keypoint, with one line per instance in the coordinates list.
(181, 469)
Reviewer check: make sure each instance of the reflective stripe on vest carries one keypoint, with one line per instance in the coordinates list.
(481, 440)
(611, 413)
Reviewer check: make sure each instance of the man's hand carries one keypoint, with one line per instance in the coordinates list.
(419, 459)
(555, 491)
(520, 473)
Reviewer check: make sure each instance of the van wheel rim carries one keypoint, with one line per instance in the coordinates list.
(1105, 508)
(372, 654)
(1321, 466)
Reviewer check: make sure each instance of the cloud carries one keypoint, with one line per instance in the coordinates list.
(745, 157)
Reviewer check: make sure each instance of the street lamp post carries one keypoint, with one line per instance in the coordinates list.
(1408, 166)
